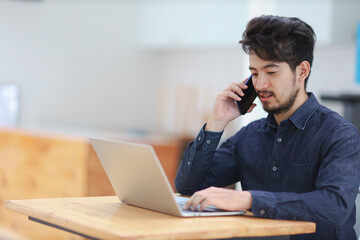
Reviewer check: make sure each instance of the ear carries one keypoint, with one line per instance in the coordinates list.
(303, 70)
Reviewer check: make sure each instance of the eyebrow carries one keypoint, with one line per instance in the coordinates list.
(266, 66)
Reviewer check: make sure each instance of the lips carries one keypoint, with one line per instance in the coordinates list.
(265, 96)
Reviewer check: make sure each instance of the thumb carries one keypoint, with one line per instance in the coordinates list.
(251, 107)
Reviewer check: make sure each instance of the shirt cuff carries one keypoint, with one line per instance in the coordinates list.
(263, 204)
(207, 140)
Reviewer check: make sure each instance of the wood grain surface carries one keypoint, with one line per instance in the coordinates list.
(107, 218)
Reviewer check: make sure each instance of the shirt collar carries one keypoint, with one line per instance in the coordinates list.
(300, 116)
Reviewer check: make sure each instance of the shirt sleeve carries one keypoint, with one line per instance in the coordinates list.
(336, 186)
(194, 167)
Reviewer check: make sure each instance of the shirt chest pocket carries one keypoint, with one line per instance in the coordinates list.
(300, 177)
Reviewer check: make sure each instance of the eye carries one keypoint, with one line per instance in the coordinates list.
(254, 74)
(271, 73)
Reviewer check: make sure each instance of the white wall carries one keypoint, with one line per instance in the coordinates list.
(76, 63)
(208, 71)
(333, 73)
(188, 23)
(334, 70)
(194, 77)
(123, 64)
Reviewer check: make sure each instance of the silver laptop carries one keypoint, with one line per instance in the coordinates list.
(138, 179)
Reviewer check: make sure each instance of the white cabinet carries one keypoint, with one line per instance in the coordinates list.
(183, 23)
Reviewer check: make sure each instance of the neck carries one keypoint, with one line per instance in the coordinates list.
(300, 100)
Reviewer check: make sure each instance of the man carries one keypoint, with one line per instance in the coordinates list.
(302, 162)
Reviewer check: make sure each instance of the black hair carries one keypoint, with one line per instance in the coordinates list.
(281, 39)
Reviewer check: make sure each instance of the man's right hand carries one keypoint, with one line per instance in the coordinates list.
(225, 108)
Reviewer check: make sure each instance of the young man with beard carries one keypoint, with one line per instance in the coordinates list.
(301, 162)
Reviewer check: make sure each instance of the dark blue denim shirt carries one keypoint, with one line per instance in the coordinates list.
(308, 168)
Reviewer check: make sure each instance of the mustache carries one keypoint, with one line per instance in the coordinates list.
(265, 92)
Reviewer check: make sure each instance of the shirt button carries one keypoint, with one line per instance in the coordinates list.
(199, 138)
(279, 140)
(188, 163)
(208, 141)
(262, 212)
(274, 169)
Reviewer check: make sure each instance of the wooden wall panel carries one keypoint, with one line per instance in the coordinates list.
(34, 165)
(98, 182)
(169, 155)
(39, 166)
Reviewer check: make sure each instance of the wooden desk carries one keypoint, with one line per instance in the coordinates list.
(107, 218)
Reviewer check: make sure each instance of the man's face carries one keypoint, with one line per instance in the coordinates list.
(275, 84)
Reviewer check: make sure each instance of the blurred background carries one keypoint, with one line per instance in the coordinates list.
(151, 65)
(144, 70)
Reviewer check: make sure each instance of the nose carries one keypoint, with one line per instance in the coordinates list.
(260, 82)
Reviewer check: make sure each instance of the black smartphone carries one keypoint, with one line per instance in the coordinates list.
(248, 98)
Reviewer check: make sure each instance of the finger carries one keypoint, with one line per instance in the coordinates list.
(234, 96)
(245, 80)
(238, 88)
(196, 202)
(251, 107)
(204, 205)
(237, 84)
(231, 86)
(192, 202)
(242, 83)
(188, 203)
(234, 86)
(231, 95)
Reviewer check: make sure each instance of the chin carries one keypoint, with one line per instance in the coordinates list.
(268, 108)
(272, 110)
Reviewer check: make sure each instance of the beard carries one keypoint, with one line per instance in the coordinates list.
(282, 107)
